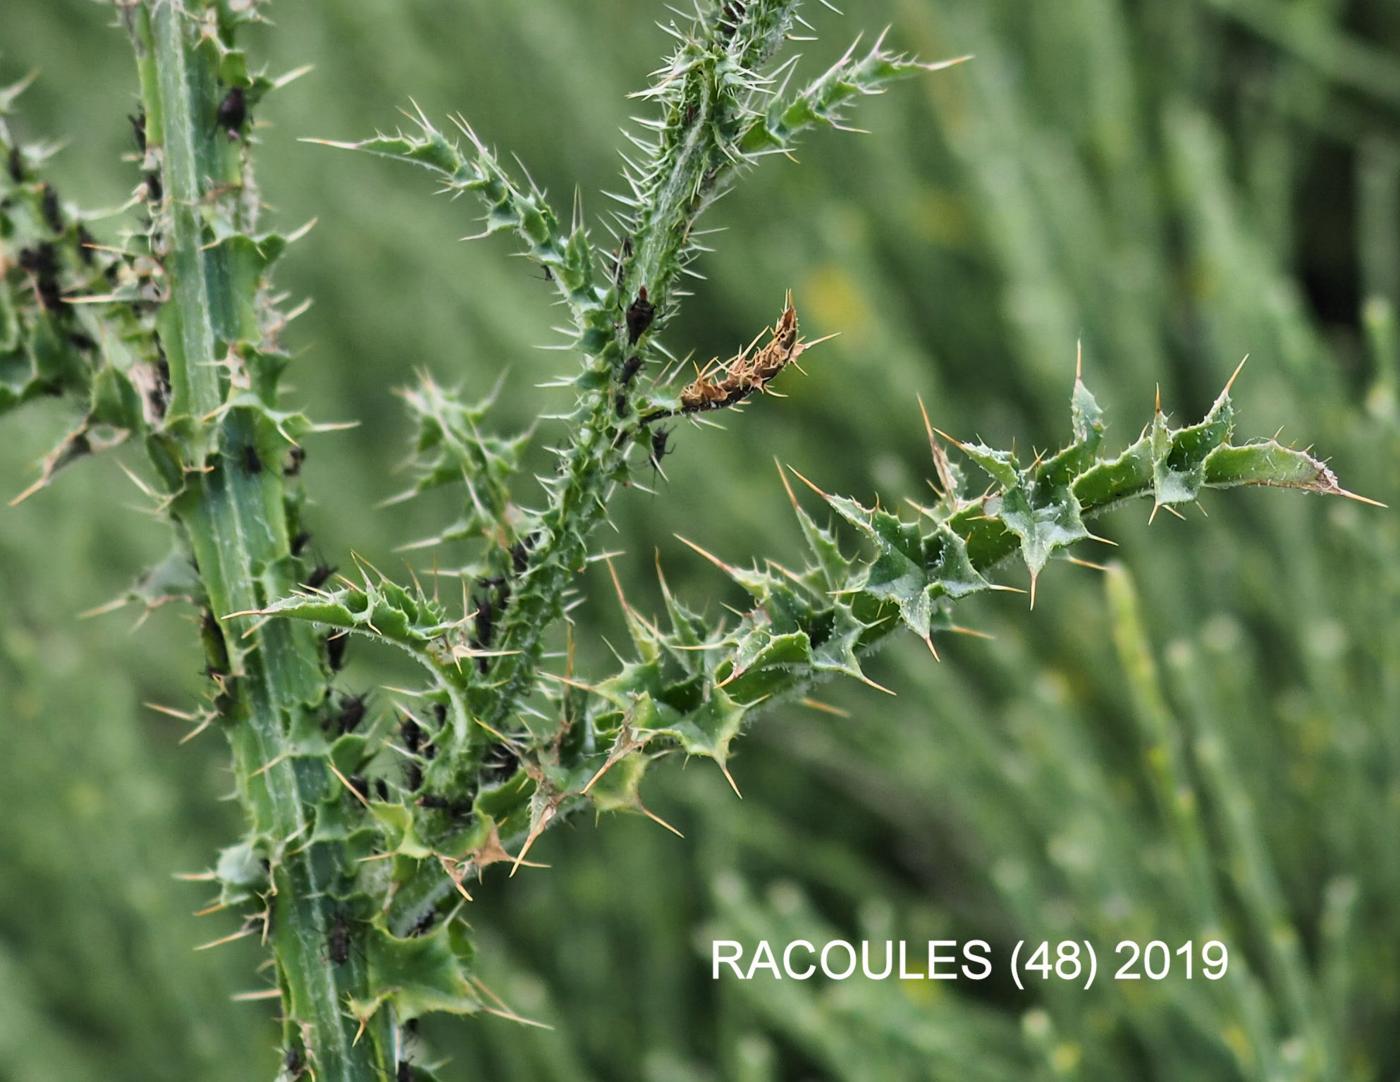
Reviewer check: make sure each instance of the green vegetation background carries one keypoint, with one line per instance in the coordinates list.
(1175, 184)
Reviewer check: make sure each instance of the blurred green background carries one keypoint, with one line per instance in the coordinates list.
(1175, 184)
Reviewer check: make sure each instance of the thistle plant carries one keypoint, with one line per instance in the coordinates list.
(368, 823)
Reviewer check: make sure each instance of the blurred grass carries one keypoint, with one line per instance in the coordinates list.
(1174, 185)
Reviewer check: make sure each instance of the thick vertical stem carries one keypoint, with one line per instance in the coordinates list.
(235, 521)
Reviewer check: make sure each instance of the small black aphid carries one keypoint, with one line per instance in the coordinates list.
(42, 263)
(352, 712)
(294, 460)
(381, 790)
(411, 733)
(423, 923)
(292, 1063)
(458, 809)
(640, 313)
(300, 540)
(159, 397)
(338, 942)
(490, 603)
(86, 243)
(251, 462)
(405, 1071)
(224, 700)
(730, 16)
(359, 785)
(620, 405)
(53, 213)
(335, 650)
(500, 764)
(483, 627)
(319, 576)
(16, 165)
(154, 191)
(620, 259)
(233, 111)
(138, 130)
(660, 446)
(489, 598)
(630, 368)
(412, 777)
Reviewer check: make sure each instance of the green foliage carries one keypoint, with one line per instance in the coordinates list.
(522, 748)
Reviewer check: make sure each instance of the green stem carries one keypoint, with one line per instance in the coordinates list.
(236, 523)
(694, 167)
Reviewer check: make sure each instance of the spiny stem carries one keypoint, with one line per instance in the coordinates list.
(235, 522)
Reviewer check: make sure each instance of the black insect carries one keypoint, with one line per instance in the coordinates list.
(15, 164)
(624, 253)
(293, 1063)
(42, 263)
(660, 446)
(500, 764)
(320, 574)
(630, 368)
(252, 464)
(490, 599)
(154, 191)
(381, 790)
(483, 627)
(640, 314)
(86, 245)
(359, 785)
(405, 1072)
(351, 713)
(335, 650)
(620, 405)
(412, 777)
(138, 130)
(294, 460)
(338, 942)
(520, 552)
(224, 701)
(458, 809)
(233, 111)
(160, 393)
(421, 925)
(49, 205)
(300, 540)
(412, 735)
